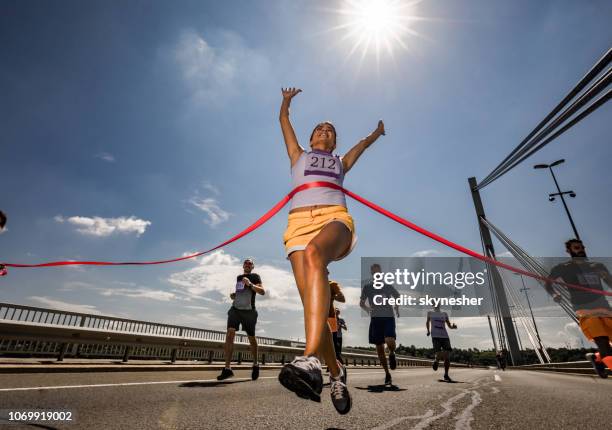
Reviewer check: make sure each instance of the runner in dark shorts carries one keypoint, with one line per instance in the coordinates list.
(338, 336)
(243, 314)
(382, 321)
(439, 337)
(592, 310)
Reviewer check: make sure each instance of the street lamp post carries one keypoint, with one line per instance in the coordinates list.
(551, 197)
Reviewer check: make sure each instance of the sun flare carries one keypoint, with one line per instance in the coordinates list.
(376, 26)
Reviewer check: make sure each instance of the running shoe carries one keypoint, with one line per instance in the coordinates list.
(447, 378)
(225, 373)
(599, 367)
(340, 395)
(392, 361)
(255, 372)
(435, 365)
(303, 377)
(388, 379)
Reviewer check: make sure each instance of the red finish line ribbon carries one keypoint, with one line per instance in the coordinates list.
(277, 207)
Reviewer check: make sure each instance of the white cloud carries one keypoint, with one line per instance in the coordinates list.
(138, 293)
(210, 187)
(425, 253)
(215, 74)
(352, 295)
(109, 158)
(211, 208)
(216, 273)
(206, 320)
(76, 285)
(128, 289)
(60, 305)
(101, 227)
(570, 337)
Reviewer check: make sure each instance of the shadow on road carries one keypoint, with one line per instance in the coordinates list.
(381, 388)
(451, 382)
(27, 424)
(197, 384)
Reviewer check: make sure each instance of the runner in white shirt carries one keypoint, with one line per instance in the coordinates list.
(439, 336)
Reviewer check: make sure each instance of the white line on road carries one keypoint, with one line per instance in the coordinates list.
(126, 384)
(131, 384)
(497, 378)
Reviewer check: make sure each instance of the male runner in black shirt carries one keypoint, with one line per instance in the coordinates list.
(592, 309)
(243, 313)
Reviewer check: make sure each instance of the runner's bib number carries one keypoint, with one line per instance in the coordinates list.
(322, 165)
(239, 286)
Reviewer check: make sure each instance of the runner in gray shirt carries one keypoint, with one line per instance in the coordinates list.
(439, 336)
(243, 313)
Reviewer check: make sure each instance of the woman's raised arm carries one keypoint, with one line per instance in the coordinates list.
(294, 150)
(353, 155)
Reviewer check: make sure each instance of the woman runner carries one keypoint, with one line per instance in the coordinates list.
(319, 231)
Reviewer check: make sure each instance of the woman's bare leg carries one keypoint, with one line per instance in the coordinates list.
(299, 272)
(332, 242)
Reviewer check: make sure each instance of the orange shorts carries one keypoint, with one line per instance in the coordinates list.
(303, 226)
(595, 322)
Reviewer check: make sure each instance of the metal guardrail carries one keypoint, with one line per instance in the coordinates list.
(13, 312)
(582, 367)
(33, 331)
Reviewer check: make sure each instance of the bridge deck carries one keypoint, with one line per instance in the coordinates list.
(480, 399)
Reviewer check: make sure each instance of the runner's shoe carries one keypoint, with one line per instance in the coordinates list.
(303, 377)
(599, 367)
(255, 372)
(340, 395)
(447, 378)
(388, 379)
(435, 365)
(392, 361)
(225, 373)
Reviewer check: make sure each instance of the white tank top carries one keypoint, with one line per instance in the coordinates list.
(317, 166)
(438, 324)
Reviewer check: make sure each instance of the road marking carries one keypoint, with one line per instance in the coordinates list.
(126, 384)
(448, 408)
(399, 420)
(466, 417)
(497, 378)
(131, 384)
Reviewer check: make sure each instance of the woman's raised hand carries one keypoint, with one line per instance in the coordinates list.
(381, 128)
(289, 93)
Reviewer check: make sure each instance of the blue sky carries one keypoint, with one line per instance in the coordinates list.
(161, 120)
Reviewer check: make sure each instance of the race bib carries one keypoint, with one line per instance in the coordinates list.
(590, 278)
(239, 286)
(322, 164)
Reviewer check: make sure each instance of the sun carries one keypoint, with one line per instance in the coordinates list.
(377, 26)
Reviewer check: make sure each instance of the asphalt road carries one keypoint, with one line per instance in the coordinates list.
(480, 399)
